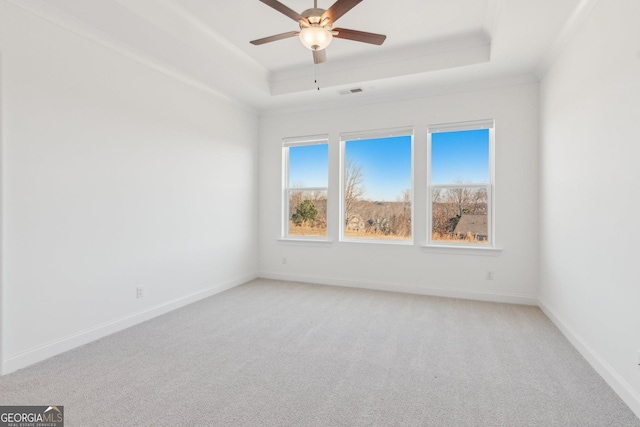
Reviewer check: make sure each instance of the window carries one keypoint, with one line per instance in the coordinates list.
(460, 184)
(377, 186)
(305, 187)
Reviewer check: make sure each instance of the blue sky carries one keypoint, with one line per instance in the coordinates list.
(309, 165)
(461, 156)
(386, 165)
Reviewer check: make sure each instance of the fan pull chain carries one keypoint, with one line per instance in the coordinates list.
(317, 75)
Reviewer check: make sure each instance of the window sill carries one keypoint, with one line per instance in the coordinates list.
(461, 250)
(305, 242)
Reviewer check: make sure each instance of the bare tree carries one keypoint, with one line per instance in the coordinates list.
(442, 210)
(460, 197)
(450, 204)
(405, 199)
(404, 225)
(353, 188)
(468, 200)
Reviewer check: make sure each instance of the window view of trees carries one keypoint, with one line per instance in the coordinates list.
(377, 188)
(308, 213)
(459, 214)
(460, 186)
(377, 185)
(306, 189)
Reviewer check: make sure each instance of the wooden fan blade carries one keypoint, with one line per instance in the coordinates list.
(338, 9)
(283, 9)
(359, 36)
(319, 56)
(275, 38)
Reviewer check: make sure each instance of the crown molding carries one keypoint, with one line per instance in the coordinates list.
(372, 95)
(461, 50)
(51, 14)
(570, 28)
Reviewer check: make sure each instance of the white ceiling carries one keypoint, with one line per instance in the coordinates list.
(431, 44)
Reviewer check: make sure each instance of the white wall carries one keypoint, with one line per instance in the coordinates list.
(590, 193)
(410, 268)
(113, 176)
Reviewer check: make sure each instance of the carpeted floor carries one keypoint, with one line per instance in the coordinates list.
(271, 353)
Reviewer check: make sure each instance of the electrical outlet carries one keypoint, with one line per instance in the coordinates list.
(139, 292)
(489, 275)
(284, 259)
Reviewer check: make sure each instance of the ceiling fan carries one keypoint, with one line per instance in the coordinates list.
(316, 30)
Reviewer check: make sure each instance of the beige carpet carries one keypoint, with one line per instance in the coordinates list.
(271, 353)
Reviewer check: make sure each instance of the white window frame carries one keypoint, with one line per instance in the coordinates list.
(490, 186)
(286, 190)
(373, 134)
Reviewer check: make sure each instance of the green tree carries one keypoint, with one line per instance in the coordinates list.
(305, 211)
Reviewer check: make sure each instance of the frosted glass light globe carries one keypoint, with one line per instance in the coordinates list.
(315, 38)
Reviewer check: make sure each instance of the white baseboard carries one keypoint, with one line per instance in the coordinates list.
(407, 288)
(615, 381)
(37, 354)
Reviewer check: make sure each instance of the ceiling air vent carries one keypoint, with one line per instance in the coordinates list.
(350, 91)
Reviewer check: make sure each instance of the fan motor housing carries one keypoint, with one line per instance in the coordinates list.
(313, 15)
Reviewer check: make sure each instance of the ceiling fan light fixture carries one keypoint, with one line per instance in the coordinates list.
(315, 37)
(316, 25)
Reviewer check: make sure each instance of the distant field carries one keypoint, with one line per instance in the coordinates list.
(451, 238)
(364, 235)
(304, 230)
